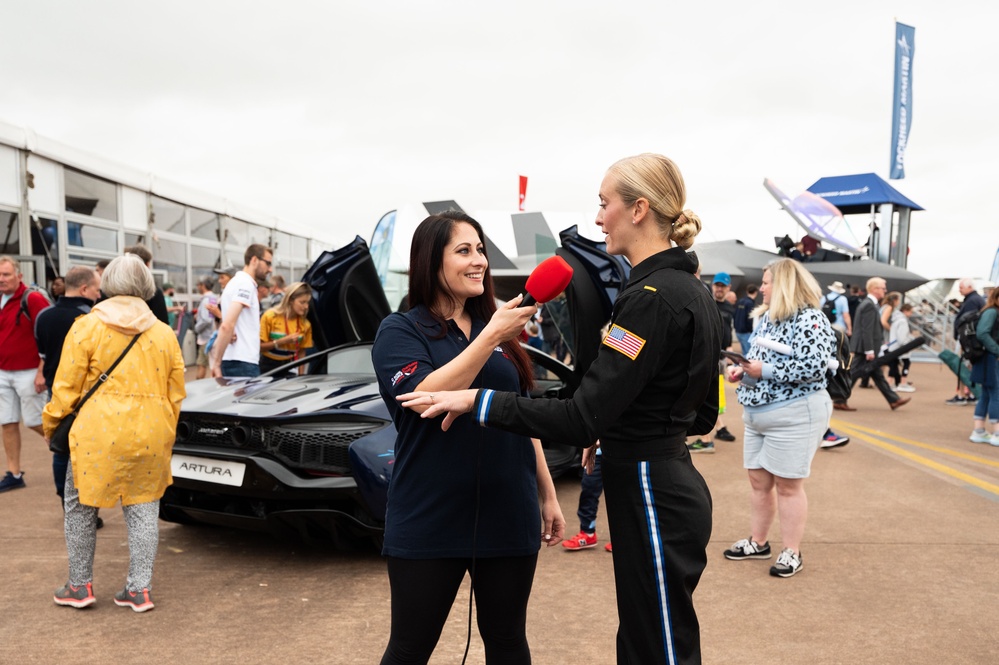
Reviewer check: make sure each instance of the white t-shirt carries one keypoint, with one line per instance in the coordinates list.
(243, 289)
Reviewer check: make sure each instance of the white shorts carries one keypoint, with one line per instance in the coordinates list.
(18, 398)
(783, 440)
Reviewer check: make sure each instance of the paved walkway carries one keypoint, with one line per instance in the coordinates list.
(901, 566)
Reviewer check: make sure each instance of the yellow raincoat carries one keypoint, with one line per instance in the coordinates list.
(121, 442)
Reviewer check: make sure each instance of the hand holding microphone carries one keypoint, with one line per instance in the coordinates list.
(545, 282)
(549, 279)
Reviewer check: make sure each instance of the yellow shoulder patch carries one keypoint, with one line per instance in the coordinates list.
(650, 288)
(624, 341)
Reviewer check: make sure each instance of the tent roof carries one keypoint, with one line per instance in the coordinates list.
(855, 194)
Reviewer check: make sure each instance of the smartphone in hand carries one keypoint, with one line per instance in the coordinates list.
(735, 357)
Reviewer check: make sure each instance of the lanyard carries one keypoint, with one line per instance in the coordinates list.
(287, 330)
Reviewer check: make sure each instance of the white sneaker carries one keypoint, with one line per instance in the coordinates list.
(905, 388)
(983, 437)
(994, 440)
(788, 563)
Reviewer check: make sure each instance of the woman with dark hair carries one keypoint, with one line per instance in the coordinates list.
(464, 500)
(654, 380)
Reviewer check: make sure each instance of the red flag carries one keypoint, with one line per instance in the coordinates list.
(523, 191)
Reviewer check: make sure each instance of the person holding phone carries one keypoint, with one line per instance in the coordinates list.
(285, 330)
(786, 410)
(655, 378)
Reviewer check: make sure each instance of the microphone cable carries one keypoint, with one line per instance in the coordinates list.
(475, 536)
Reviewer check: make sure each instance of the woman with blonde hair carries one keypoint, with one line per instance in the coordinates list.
(655, 378)
(285, 330)
(786, 410)
(121, 443)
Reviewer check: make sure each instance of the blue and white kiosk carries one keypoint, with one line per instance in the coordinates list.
(867, 193)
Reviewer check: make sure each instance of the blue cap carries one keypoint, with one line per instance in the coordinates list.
(722, 278)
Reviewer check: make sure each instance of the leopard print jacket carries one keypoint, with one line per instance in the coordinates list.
(810, 339)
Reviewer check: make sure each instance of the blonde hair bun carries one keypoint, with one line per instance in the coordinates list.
(658, 180)
(685, 229)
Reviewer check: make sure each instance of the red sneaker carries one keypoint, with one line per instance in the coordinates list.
(581, 541)
(609, 548)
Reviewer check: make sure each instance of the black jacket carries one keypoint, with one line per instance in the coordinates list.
(655, 376)
(973, 302)
(158, 306)
(868, 335)
(51, 327)
(727, 312)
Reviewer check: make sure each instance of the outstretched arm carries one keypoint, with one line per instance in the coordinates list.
(505, 324)
(623, 367)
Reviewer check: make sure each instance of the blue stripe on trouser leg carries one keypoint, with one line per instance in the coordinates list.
(683, 514)
(655, 540)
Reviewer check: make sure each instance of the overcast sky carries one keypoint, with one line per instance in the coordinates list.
(331, 114)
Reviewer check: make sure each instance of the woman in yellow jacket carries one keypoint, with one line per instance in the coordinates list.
(121, 442)
(285, 331)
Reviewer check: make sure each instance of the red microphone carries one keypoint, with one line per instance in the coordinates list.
(547, 280)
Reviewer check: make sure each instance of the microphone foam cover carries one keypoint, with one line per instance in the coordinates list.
(549, 279)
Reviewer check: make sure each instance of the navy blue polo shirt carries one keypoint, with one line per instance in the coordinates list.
(433, 493)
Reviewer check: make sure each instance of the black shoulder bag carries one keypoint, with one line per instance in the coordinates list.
(59, 441)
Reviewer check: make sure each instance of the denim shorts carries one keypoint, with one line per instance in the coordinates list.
(783, 440)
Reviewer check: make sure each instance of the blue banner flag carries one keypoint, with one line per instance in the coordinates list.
(381, 244)
(901, 116)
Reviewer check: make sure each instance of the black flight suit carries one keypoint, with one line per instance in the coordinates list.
(654, 380)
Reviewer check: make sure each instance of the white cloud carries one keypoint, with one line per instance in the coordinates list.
(330, 113)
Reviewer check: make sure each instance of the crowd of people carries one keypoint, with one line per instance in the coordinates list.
(104, 352)
(657, 379)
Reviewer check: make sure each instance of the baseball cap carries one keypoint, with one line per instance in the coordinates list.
(722, 278)
(228, 270)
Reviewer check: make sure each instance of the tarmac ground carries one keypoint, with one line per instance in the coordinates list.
(901, 565)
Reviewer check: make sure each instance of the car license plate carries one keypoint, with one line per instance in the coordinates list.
(208, 470)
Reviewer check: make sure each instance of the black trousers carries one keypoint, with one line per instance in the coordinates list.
(862, 367)
(659, 514)
(423, 591)
(899, 368)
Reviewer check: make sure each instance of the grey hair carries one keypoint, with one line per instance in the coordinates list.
(128, 276)
(78, 277)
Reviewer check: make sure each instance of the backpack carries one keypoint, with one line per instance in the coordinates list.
(839, 384)
(829, 308)
(966, 325)
(24, 303)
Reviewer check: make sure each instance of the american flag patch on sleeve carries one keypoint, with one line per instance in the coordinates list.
(624, 341)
